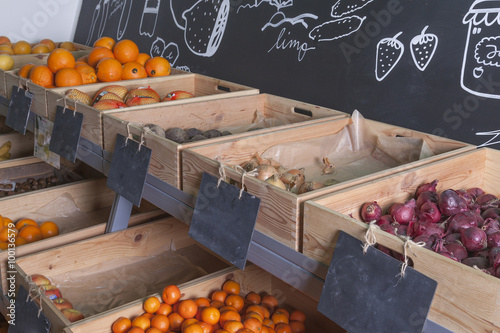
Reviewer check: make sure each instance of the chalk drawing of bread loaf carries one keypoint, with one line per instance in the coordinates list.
(205, 23)
(336, 29)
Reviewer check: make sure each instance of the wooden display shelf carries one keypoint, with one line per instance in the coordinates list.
(454, 306)
(22, 145)
(264, 111)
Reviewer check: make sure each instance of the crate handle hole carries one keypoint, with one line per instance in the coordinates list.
(223, 88)
(303, 111)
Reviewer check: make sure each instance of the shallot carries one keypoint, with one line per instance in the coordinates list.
(371, 211)
(474, 239)
(426, 187)
(403, 213)
(451, 203)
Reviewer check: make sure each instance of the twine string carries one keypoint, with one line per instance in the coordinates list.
(370, 238)
(222, 170)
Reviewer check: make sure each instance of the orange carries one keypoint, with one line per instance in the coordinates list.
(25, 70)
(229, 315)
(268, 322)
(231, 287)
(148, 315)
(68, 46)
(171, 294)
(40, 48)
(142, 58)
(202, 302)
(42, 76)
(97, 54)
(106, 42)
(257, 308)
(20, 241)
(283, 311)
(188, 322)
(136, 330)
(50, 44)
(49, 229)
(87, 73)
(255, 315)
(6, 233)
(253, 298)
(60, 58)
(142, 322)
(270, 301)
(4, 245)
(164, 309)
(4, 39)
(22, 222)
(187, 308)
(7, 49)
(218, 305)
(297, 326)
(151, 305)
(298, 316)
(21, 47)
(253, 323)
(245, 330)
(279, 317)
(133, 70)
(126, 50)
(219, 295)
(121, 325)
(7, 222)
(283, 328)
(158, 66)
(30, 233)
(210, 315)
(83, 59)
(233, 326)
(67, 77)
(153, 330)
(235, 300)
(160, 322)
(193, 328)
(226, 308)
(108, 70)
(175, 320)
(207, 328)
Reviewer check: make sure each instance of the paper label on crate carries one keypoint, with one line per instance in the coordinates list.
(224, 219)
(365, 292)
(25, 315)
(43, 134)
(19, 109)
(66, 133)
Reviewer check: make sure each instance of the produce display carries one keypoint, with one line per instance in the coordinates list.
(463, 225)
(25, 231)
(117, 96)
(5, 151)
(223, 311)
(8, 188)
(55, 294)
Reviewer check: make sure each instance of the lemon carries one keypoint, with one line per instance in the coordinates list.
(6, 62)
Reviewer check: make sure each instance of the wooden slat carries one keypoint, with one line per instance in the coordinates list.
(22, 145)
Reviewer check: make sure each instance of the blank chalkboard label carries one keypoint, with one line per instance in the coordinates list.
(128, 170)
(28, 318)
(366, 293)
(66, 133)
(19, 109)
(223, 220)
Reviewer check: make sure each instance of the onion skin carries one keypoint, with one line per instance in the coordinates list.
(474, 239)
(403, 213)
(487, 200)
(426, 187)
(371, 211)
(453, 238)
(265, 171)
(459, 221)
(491, 213)
(275, 181)
(427, 196)
(429, 211)
(451, 203)
(494, 239)
(475, 191)
(491, 226)
(457, 250)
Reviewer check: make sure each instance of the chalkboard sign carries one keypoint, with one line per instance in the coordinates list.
(432, 66)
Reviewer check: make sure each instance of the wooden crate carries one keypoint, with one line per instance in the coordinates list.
(91, 197)
(203, 87)
(251, 279)
(280, 214)
(10, 78)
(104, 258)
(215, 114)
(466, 300)
(22, 145)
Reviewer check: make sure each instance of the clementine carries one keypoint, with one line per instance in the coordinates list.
(121, 325)
(232, 326)
(235, 300)
(160, 322)
(231, 287)
(297, 326)
(253, 298)
(152, 304)
(171, 294)
(49, 229)
(175, 321)
(210, 315)
(20, 241)
(30, 233)
(187, 308)
(22, 222)
(6, 233)
(283, 328)
(142, 322)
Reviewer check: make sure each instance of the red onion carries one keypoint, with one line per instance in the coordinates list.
(469, 199)
(453, 238)
(483, 253)
(475, 191)
(426, 187)
(459, 221)
(429, 240)
(429, 211)
(493, 239)
(371, 211)
(497, 272)
(401, 229)
(491, 226)
(480, 262)
(491, 213)
(403, 213)
(422, 227)
(457, 250)
(388, 228)
(487, 200)
(494, 257)
(448, 255)
(384, 219)
(427, 196)
(451, 203)
(474, 239)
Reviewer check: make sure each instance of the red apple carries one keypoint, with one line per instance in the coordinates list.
(109, 104)
(73, 315)
(143, 92)
(40, 280)
(134, 101)
(62, 303)
(51, 291)
(178, 94)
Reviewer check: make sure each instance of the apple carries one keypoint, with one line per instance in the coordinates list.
(143, 92)
(178, 94)
(62, 303)
(134, 101)
(109, 104)
(40, 280)
(51, 291)
(73, 315)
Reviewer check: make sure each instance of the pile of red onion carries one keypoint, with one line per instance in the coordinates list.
(463, 225)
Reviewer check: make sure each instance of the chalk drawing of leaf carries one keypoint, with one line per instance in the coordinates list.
(281, 3)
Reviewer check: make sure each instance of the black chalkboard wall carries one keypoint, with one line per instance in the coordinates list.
(432, 66)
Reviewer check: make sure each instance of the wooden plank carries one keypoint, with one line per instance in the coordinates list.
(454, 306)
(22, 145)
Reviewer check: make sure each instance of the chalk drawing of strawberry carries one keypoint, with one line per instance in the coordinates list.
(389, 52)
(422, 48)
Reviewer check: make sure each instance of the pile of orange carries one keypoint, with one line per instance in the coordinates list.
(225, 311)
(24, 231)
(23, 47)
(108, 61)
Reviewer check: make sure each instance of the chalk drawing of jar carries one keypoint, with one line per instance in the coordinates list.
(481, 62)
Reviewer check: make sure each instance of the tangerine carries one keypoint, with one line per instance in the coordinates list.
(50, 44)
(106, 42)
(233, 326)
(42, 76)
(164, 309)
(257, 308)
(22, 222)
(193, 328)
(68, 46)
(135, 329)
(121, 325)
(20, 241)
(40, 48)
(6, 233)
(188, 322)
(279, 317)
(126, 50)
(160, 322)
(142, 322)
(87, 73)
(67, 77)
(151, 305)
(207, 328)
(298, 316)
(202, 302)
(108, 70)
(133, 70)
(283, 328)
(187, 308)
(21, 47)
(30, 233)
(158, 66)
(25, 70)
(210, 315)
(255, 315)
(235, 300)
(253, 323)
(268, 322)
(4, 245)
(219, 295)
(297, 326)
(60, 58)
(171, 294)
(253, 298)
(142, 58)
(229, 315)
(153, 330)
(6, 222)
(175, 320)
(270, 301)
(49, 229)
(97, 54)
(231, 287)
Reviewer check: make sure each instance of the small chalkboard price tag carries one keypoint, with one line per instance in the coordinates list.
(28, 317)
(66, 133)
(129, 168)
(365, 292)
(224, 219)
(19, 109)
